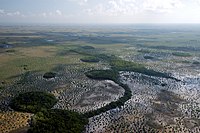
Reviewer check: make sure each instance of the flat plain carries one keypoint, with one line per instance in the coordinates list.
(158, 64)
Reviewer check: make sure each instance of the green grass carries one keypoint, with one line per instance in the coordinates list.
(16, 66)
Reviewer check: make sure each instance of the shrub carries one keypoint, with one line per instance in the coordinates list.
(49, 75)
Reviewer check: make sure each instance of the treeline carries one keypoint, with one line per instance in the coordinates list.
(58, 121)
(103, 75)
(108, 75)
(118, 64)
(181, 54)
(113, 74)
(120, 102)
(121, 65)
(90, 59)
(47, 120)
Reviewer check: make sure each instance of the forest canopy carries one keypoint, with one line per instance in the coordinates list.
(33, 102)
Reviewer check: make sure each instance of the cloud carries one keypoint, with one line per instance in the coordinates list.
(44, 14)
(162, 6)
(2, 11)
(198, 1)
(15, 13)
(131, 7)
(58, 12)
(52, 14)
(80, 2)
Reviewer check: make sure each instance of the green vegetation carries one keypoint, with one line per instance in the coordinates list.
(120, 102)
(87, 47)
(24, 77)
(105, 57)
(113, 74)
(121, 65)
(25, 56)
(144, 51)
(90, 59)
(48, 120)
(1, 87)
(148, 57)
(181, 54)
(196, 63)
(49, 75)
(79, 52)
(103, 74)
(185, 61)
(108, 75)
(33, 102)
(10, 51)
(57, 121)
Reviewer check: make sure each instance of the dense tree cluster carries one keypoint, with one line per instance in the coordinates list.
(90, 59)
(108, 75)
(33, 102)
(87, 47)
(148, 57)
(49, 75)
(103, 74)
(58, 121)
(121, 65)
(47, 120)
(181, 54)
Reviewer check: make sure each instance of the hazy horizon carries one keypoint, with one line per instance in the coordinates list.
(100, 12)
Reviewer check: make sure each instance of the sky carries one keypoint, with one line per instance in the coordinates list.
(99, 11)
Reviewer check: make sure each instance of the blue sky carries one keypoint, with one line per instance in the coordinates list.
(99, 11)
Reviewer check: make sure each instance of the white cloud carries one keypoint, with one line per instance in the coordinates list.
(17, 13)
(11, 14)
(130, 7)
(58, 12)
(162, 5)
(114, 8)
(198, 1)
(80, 2)
(44, 14)
(2, 11)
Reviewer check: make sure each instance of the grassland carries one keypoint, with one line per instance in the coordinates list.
(141, 62)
